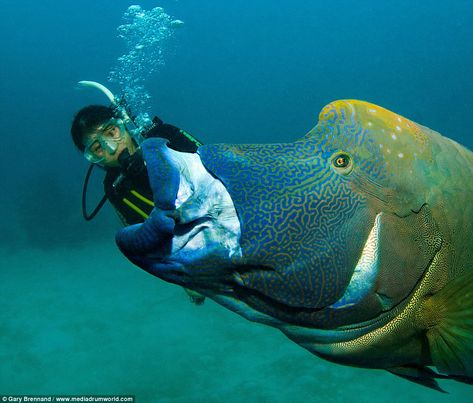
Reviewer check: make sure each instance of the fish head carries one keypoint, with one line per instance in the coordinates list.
(331, 230)
(389, 156)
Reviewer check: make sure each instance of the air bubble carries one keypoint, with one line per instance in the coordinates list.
(146, 34)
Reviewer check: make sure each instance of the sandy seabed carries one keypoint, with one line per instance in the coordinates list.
(83, 320)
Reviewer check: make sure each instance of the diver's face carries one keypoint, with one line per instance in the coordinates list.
(106, 143)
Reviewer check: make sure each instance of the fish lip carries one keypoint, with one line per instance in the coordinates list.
(193, 265)
(184, 233)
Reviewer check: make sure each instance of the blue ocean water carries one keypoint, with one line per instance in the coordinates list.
(77, 317)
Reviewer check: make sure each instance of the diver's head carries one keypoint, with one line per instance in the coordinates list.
(100, 135)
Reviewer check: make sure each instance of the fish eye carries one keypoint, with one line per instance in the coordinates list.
(343, 162)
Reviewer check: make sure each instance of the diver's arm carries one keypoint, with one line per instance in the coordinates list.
(179, 139)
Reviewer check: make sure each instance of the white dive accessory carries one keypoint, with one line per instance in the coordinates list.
(119, 107)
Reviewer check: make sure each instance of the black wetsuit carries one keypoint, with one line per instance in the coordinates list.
(127, 187)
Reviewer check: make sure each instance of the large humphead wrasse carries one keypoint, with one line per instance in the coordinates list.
(356, 241)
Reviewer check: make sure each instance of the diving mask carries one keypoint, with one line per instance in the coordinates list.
(105, 139)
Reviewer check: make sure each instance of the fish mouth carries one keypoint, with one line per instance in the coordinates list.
(188, 234)
(198, 237)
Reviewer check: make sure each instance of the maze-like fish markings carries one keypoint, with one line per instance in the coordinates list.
(292, 207)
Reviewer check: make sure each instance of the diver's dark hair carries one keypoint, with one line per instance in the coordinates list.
(87, 119)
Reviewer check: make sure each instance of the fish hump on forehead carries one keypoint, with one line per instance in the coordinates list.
(396, 136)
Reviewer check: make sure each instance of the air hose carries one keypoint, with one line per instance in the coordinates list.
(120, 108)
(89, 217)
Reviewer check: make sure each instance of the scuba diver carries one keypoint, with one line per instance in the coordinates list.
(103, 135)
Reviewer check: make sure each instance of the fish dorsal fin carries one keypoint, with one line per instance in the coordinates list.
(448, 316)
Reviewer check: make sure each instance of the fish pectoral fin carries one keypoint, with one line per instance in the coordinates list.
(421, 375)
(194, 296)
(448, 316)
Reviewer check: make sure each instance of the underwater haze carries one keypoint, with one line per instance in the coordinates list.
(76, 316)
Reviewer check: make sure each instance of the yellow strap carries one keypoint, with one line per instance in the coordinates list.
(136, 208)
(194, 140)
(142, 198)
